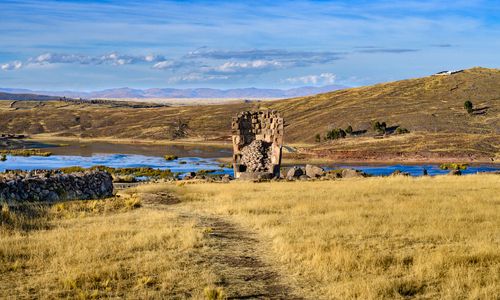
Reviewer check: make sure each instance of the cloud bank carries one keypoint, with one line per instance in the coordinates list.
(233, 43)
(321, 79)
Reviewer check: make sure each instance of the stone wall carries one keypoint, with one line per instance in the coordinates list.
(257, 142)
(46, 185)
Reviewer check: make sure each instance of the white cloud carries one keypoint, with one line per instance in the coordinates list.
(151, 58)
(168, 64)
(112, 58)
(245, 67)
(14, 65)
(321, 79)
(289, 58)
(196, 77)
(115, 59)
(54, 58)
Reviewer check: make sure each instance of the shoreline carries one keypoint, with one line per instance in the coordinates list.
(286, 161)
(324, 161)
(127, 141)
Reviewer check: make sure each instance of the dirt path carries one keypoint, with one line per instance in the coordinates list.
(236, 256)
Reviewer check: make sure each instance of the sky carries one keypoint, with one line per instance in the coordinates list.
(91, 45)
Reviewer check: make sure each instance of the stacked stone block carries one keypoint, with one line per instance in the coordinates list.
(50, 186)
(257, 142)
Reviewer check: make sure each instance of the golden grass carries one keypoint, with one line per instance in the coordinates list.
(437, 147)
(48, 138)
(108, 248)
(370, 238)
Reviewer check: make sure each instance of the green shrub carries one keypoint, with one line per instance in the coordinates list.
(379, 127)
(3, 157)
(171, 157)
(336, 133)
(317, 138)
(469, 107)
(453, 166)
(401, 130)
(349, 130)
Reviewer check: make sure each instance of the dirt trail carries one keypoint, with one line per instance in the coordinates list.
(236, 256)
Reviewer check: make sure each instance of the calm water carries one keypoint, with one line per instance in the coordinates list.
(93, 148)
(417, 170)
(196, 158)
(192, 164)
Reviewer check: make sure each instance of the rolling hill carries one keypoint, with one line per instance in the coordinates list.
(26, 96)
(430, 107)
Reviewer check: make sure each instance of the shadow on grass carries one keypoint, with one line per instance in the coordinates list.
(24, 217)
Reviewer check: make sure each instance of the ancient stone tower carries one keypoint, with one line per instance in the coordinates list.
(257, 141)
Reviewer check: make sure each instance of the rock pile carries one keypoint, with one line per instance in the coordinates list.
(315, 172)
(294, 172)
(257, 157)
(47, 185)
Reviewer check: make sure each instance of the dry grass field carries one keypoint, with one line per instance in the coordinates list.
(100, 249)
(430, 107)
(367, 238)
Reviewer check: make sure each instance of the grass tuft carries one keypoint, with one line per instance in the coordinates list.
(214, 293)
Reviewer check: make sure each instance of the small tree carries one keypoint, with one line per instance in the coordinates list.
(348, 130)
(317, 137)
(468, 106)
(379, 127)
(336, 133)
(331, 135)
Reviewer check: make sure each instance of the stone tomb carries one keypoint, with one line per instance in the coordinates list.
(257, 142)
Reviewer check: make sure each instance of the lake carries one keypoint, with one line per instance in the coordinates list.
(192, 158)
(181, 165)
(417, 170)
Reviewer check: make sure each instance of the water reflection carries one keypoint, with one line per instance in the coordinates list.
(415, 170)
(92, 148)
(181, 165)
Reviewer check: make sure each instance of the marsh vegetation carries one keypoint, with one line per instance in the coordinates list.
(26, 152)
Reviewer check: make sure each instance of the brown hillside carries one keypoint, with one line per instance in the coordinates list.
(430, 104)
(430, 107)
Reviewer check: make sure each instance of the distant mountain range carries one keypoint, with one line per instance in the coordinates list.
(241, 93)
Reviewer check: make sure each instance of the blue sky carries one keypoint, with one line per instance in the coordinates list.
(88, 45)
